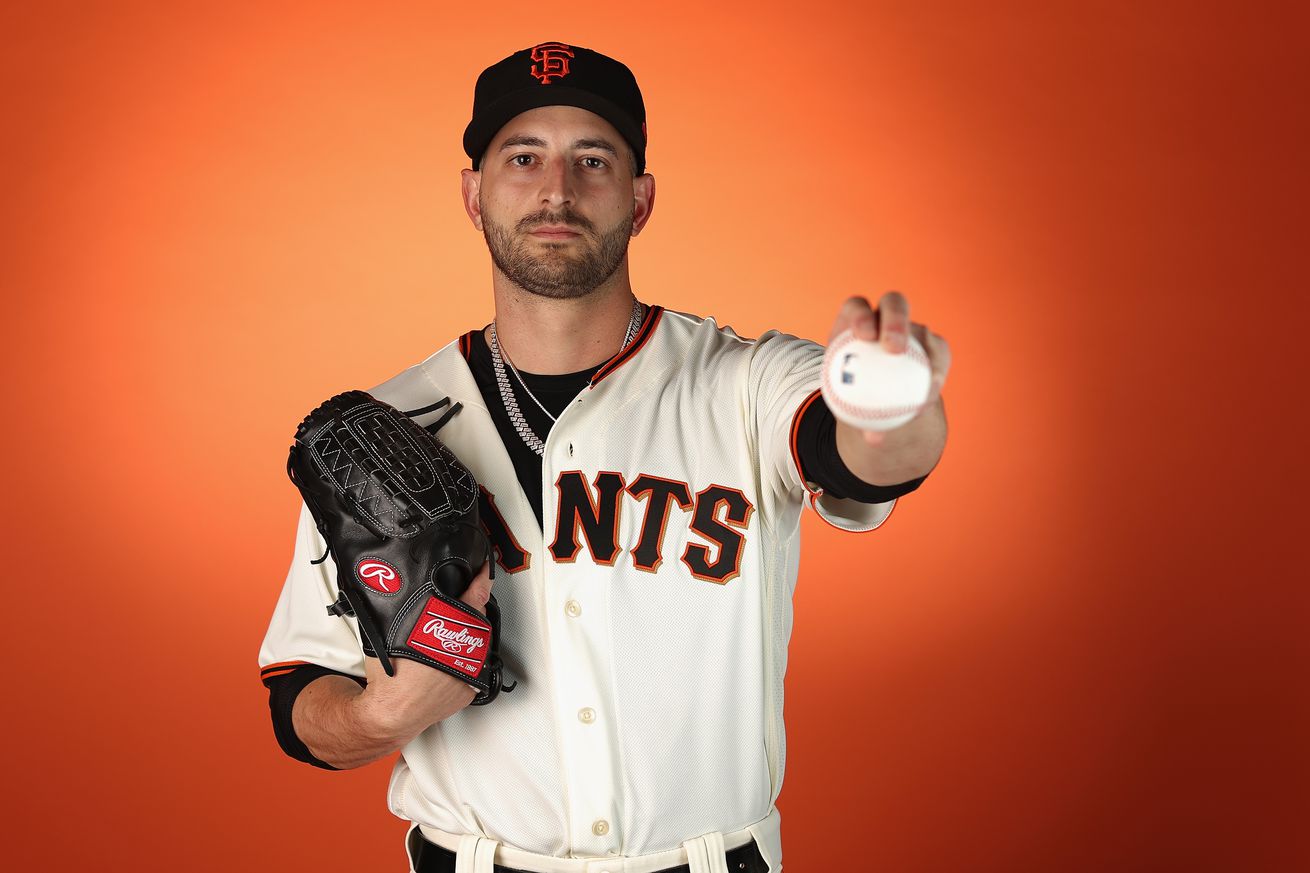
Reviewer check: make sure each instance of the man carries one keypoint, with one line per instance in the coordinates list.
(643, 475)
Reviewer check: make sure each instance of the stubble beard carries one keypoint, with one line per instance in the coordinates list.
(550, 269)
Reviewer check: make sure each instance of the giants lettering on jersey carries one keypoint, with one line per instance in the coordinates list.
(590, 512)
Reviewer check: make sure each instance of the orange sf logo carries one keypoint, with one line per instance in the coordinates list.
(551, 61)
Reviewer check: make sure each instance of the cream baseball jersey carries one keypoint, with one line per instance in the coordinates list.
(645, 620)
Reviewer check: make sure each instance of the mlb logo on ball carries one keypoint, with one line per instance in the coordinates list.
(847, 376)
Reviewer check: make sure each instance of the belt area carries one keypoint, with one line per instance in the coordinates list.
(431, 858)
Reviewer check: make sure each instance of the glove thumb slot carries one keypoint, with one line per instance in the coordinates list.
(452, 579)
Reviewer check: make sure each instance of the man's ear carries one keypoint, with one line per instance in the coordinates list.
(643, 196)
(470, 184)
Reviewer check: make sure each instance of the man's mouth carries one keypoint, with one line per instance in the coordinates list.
(555, 231)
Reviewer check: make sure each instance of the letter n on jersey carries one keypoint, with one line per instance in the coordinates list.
(598, 518)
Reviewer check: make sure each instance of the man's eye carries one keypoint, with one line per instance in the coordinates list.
(593, 163)
(521, 160)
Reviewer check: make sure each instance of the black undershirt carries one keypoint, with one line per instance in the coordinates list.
(554, 392)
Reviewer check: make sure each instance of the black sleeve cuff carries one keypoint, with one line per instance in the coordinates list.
(282, 692)
(821, 463)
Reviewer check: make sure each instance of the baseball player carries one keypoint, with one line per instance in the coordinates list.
(641, 474)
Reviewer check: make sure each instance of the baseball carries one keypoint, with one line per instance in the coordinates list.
(871, 389)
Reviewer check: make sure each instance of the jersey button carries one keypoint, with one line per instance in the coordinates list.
(573, 609)
(586, 715)
(601, 827)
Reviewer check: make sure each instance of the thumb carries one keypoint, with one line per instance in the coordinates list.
(479, 590)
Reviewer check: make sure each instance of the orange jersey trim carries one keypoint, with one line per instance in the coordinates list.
(280, 669)
(626, 353)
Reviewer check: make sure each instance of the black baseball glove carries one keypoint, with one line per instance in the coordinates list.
(399, 513)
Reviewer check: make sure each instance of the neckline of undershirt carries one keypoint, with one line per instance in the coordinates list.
(551, 382)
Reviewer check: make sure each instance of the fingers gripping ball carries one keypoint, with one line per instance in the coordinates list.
(399, 513)
(872, 389)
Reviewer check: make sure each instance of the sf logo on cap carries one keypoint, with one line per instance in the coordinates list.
(551, 61)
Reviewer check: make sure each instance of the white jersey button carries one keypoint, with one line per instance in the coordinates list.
(586, 715)
(573, 609)
(601, 827)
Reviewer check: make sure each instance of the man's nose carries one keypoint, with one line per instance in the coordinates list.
(557, 183)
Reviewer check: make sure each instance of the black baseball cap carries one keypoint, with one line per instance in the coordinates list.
(556, 74)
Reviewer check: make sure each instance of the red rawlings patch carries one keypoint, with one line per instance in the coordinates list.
(378, 575)
(452, 637)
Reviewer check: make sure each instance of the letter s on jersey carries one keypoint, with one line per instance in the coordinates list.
(705, 521)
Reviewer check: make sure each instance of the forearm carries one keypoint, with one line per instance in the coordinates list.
(348, 726)
(332, 719)
(907, 452)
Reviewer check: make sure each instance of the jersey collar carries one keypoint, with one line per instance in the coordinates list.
(629, 351)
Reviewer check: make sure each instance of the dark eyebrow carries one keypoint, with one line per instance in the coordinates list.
(603, 145)
(537, 142)
(522, 140)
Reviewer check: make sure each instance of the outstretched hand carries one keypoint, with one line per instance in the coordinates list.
(890, 326)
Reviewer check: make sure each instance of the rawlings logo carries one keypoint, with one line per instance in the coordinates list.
(551, 61)
(450, 637)
(459, 640)
(378, 576)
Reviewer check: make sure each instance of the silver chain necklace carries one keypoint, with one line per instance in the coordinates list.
(498, 361)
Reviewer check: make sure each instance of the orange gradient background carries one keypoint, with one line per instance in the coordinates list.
(1079, 647)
